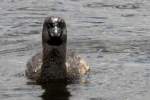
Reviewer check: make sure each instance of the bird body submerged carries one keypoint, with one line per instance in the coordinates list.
(55, 61)
(76, 67)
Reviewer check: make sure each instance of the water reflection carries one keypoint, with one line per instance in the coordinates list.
(55, 91)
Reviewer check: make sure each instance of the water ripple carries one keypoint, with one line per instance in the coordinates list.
(112, 35)
(128, 6)
(123, 6)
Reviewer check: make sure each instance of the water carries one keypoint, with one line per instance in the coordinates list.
(112, 35)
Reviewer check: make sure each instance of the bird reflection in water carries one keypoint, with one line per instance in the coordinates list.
(55, 91)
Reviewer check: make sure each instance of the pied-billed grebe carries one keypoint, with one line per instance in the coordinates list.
(55, 61)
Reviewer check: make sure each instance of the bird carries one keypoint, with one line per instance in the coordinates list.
(55, 61)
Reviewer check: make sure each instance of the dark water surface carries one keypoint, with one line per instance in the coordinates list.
(112, 35)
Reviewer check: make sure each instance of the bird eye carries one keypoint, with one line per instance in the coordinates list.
(60, 24)
(50, 25)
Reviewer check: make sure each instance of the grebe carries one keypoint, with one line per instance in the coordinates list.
(55, 62)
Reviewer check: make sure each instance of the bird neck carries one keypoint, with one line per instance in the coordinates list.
(54, 58)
